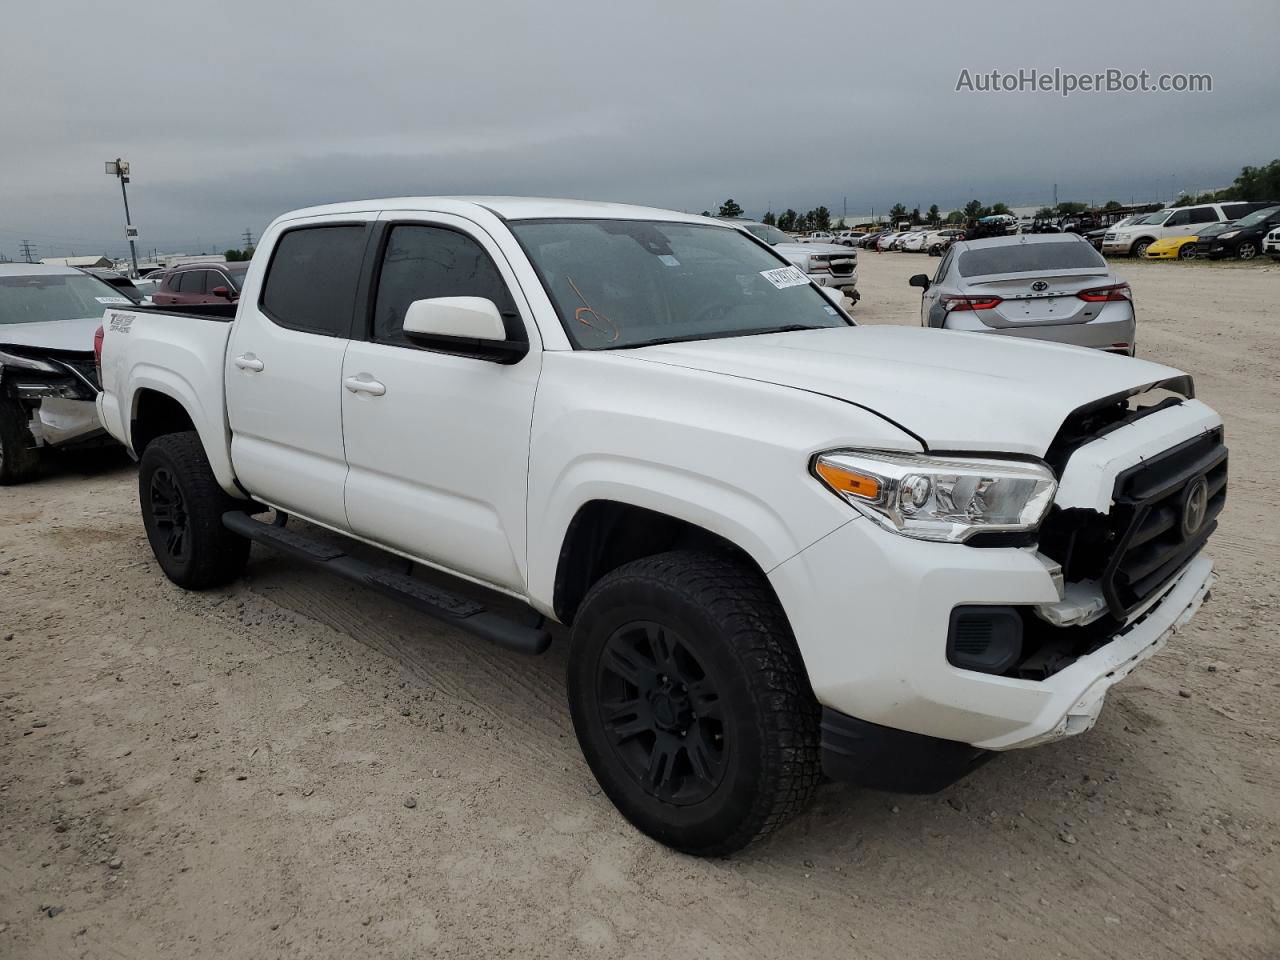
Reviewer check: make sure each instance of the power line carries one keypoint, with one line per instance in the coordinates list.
(247, 237)
(28, 251)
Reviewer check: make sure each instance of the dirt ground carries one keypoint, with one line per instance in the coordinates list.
(295, 768)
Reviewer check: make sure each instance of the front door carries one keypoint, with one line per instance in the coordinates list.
(284, 370)
(438, 442)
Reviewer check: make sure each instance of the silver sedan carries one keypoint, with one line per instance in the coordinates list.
(1045, 286)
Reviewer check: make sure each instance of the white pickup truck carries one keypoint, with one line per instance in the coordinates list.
(783, 544)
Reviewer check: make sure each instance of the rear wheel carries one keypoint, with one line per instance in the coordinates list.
(690, 701)
(19, 458)
(182, 507)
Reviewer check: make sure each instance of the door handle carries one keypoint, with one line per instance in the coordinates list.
(365, 384)
(249, 362)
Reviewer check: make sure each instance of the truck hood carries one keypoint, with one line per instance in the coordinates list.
(952, 390)
(51, 334)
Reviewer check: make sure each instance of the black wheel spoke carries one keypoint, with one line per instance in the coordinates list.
(661, 712)
(168, 512)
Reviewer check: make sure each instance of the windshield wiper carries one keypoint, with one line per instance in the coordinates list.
(719, 335)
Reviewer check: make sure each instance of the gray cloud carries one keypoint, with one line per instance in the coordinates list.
(234, 113)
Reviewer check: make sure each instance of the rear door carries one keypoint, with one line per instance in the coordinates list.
(284, 368)
(438, 441)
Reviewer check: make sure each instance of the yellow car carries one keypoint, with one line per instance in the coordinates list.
(1172, 248)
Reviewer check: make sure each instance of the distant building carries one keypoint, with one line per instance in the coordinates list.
(77, 261)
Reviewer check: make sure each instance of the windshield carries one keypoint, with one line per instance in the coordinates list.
(627, 283)
(768, 234)
(34, 298)
(1152, 219)
(236, 272)
(1030, 258)
(1257, 217)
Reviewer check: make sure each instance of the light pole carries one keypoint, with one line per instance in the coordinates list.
(120, 169)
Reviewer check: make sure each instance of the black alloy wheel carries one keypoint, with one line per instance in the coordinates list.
(662, 711)
(169, 512)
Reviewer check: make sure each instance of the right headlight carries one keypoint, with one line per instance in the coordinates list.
(939, 498)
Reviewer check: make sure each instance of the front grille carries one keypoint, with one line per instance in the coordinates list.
(1146, 538)
(840, 264)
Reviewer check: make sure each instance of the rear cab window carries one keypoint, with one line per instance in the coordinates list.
(312, 278)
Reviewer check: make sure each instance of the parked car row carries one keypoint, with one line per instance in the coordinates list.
(1132, 238)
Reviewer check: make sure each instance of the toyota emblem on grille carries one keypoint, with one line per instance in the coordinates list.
(1039, 286)
(1194, 507)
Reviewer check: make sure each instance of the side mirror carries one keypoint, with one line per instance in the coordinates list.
(471, 326)
(920, 280)
(223, 292)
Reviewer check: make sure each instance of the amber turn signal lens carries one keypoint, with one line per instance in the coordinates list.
(847, 481)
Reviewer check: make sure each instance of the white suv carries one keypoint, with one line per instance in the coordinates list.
(1134, 238)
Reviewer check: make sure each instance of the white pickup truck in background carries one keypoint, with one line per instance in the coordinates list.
(782, 543)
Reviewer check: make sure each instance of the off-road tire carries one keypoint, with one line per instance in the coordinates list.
(19, 457)
(729, 621)
(210, 554)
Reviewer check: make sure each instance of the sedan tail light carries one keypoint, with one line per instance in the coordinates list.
(1117, 291)
(953, 304)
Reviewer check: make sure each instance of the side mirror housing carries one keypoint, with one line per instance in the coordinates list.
(920, 280)
(470, 326)
(223, 292)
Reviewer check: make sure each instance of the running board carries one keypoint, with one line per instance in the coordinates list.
(463, 612)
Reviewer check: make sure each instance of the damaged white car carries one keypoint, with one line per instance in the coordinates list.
(48, 374)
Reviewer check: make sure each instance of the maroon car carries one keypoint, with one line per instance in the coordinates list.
(201, 283)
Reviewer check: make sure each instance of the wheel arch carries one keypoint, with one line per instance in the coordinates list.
(160, 404)
(605, 534)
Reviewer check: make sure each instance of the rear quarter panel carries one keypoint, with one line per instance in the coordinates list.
(177, 356)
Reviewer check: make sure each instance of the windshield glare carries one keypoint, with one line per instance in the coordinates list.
(1257, 217)
(36, 298)
(627, 283)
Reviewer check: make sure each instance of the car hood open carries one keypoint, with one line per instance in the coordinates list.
(952, 390)
(52, 334)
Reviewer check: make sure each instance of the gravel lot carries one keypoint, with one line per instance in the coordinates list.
(296, 768)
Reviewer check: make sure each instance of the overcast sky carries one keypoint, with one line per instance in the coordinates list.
(232, 112)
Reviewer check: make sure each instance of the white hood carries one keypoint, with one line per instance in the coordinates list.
(955, 391)
(52, 334)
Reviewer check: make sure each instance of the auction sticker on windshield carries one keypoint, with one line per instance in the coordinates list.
(784, 277)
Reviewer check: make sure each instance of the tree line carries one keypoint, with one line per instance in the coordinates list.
(1253, 183)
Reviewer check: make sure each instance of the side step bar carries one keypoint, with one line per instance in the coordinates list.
(462, 612)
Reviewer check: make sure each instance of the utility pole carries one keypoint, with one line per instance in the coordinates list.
(28, 251)
(120, 170)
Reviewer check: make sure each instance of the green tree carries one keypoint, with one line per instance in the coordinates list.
(1068, 207)
(1000, 208)
(820, 218)
(1113, 205)
(934, 214)
(955, 216)
(706, 213)
(915, 215)
(787, 220)
(1045, 213)
(974, 209)
(730, 208)
(231, 256)
(769, 219)
(897, 212)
